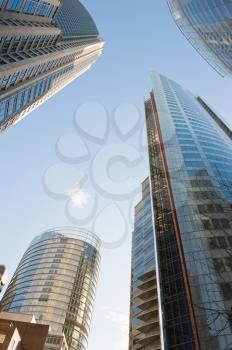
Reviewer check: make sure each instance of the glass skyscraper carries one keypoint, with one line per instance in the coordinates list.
(190, 151)
(144, 305)
(44, 45)
(56, 282)
(207, 24)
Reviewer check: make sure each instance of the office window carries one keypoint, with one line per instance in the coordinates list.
(51, 11)
(2, 110)
(25, 99)
(194, 164)
(42, 9)
(30, 7)
(19, 101)
(14, 78)
(14, 5)
(11, 106)
(5, 81)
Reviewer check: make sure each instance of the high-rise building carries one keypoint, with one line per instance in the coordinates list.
(190, 151)
(207, 26)
(3, 276)
(144, 306)
(56, 282)
(44, 45)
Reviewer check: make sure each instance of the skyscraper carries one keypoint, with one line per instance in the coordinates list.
(44, 45)
(144, 306)
(56, 281)
(207, 26)
(190, 151)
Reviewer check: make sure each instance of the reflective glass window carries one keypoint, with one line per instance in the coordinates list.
(30, 6)
(14, 5)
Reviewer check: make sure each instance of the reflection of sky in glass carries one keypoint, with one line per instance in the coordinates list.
(133, 47)
(203, 143)
(199, 156)
(143, 245)
(207, 26)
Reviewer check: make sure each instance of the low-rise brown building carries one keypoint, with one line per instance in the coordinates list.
(9, 337)
(20, 332)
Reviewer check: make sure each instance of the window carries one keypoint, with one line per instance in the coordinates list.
(135, 320)
(14, 78)
(150, 264)
(2, 338)
(25, 99)
(191, 155)
(48, 283)
(32, 90)
(2, 110)
(216, 223)
(195, 164)
(14, 5)
(51, 11)
(19, 101)
(30, 7)
(11, 105)
(182, 129)
(185, 142)
(189, 149)
(230, 241)
(43, 297)
(22, 75)
(201, 209)
(54, 340)
(42, 9)
(227, 290)
(222, 242)
(219, 265)
(136, 309)
(225, 223)
(213, 243)
(5, 81)
(206, 224)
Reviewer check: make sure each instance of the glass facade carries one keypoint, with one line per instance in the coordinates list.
(56, 281)
(13, 108)
(190, 153)
(53, 44)
(74, 25)
(207, 25)
(144, 311)
(38, 8)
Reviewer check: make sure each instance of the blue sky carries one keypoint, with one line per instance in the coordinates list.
(140, 36)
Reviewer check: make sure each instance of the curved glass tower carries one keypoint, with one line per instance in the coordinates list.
(190, 151)
(44, 45)
(56, 281)
(207, 25)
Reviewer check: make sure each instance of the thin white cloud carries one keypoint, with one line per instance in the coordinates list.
(120, 321)
(78, 196)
